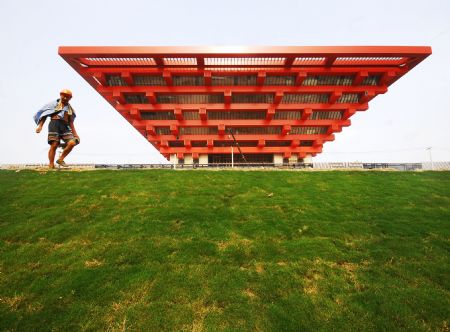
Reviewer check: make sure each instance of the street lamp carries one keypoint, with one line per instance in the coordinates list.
(431, 159)
(230, 132)
(232, 153)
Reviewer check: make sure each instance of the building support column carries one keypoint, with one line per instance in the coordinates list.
(308, 159)
(188, 160)
(293, 159)
(203, 159)
(278, 159)
(174, 159)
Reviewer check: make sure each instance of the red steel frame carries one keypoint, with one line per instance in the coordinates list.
(96, 64)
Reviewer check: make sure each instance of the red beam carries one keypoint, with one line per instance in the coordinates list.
(387, 78)
(348, 113)
(286, 130)
(167, 77)
(178, 114)
(227, 96)
(174, 129)
(289, 61)
(227, 150)
(151, 97)
(159, 61)
(359, 77)
(138, 124)
(317, 143)
(301, 76)
(202, 113)
(100, 77)
(367, 96)
(330, 60)
(126, 76)
(240, 107)
(303, 137)
(244, 123)
(334, 97)
(270, 113)
(306, 113)
(261, 78)
(353, 70)
(200, 62)
(135, 113)
(242, 89)
(221, 129)
(334, 128)
(117, 95)
(150, 129)
(278, 97)
(158, 52)
(208, 78)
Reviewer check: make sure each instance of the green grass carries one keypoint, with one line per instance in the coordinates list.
(224, 251)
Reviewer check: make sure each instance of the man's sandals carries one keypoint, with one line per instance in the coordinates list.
(62, 163)
(63, 145)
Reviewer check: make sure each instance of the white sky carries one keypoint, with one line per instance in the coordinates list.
(412, 115)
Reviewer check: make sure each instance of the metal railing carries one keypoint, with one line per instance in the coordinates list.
(317, 166)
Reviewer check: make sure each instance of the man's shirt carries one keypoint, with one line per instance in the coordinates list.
(55, 108)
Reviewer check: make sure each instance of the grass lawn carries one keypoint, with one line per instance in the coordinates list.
(224, 251)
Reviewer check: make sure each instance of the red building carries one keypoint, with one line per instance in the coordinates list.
(268, 104)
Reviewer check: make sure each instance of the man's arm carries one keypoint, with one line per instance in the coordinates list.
(74, 132)
(40, 125)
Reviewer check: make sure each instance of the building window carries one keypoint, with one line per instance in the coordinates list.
(149, 80)
(279, 80)
(305, 98)
(188, 80)
(327, 115)
(167, 115)
(328, 80)
(190, 99)
(136, 98)
(115, 80)
(252, 98)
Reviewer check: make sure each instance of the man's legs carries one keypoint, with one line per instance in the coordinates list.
(68, 148)
(52, 153)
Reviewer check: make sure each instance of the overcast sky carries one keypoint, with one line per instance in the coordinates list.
(399, 125)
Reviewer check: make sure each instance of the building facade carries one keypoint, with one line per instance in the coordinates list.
(241, 104)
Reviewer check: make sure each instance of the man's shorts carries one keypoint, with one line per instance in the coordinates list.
(59, 129)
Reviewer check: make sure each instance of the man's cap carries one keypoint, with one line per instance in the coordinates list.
(66, 92)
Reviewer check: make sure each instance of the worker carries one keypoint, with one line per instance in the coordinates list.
(61, 127)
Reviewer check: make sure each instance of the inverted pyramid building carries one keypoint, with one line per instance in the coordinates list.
(266, 104)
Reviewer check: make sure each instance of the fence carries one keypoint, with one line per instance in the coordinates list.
(437, 166)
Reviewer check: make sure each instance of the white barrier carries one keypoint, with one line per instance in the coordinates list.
(337, 165)
(436, 166)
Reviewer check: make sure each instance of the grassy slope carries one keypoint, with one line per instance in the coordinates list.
(228, 250)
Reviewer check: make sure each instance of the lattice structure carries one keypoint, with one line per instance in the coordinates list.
(280, 103)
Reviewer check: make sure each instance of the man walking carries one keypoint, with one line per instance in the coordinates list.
(61, 126)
